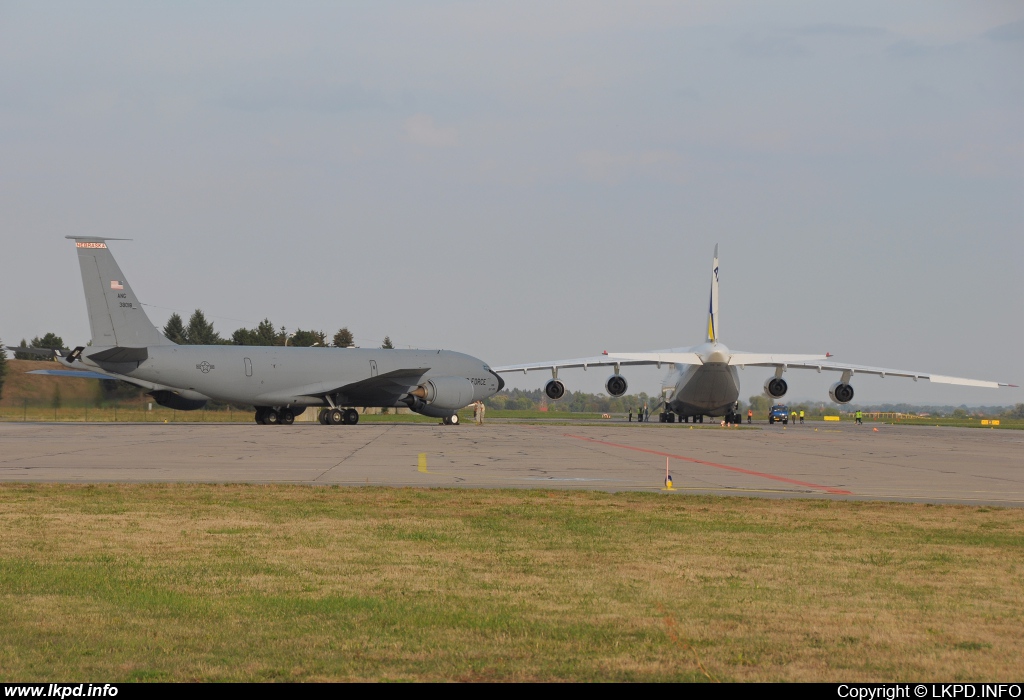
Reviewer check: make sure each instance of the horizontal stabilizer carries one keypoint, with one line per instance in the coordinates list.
(45, 353)
(116, 355)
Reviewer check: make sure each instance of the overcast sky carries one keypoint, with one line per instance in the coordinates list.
(534, 180)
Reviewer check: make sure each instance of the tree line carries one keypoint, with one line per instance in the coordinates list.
(200, 331)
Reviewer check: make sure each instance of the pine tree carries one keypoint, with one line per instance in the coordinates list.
(200, 331)
(174, 331)
(386, 345)
(3, 367)
(263, 334)
(307, 339)
(50, 341)
(344, 339)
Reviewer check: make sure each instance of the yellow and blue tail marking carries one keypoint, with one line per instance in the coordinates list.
(713, 330)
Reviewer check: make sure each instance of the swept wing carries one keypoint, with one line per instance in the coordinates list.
(608, 359)
(848, 370)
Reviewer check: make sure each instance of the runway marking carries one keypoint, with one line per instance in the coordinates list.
(750, 472)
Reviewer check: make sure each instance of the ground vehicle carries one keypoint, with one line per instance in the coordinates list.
(778, 413)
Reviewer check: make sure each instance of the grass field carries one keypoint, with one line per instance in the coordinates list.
(137, 412)
(206, 582)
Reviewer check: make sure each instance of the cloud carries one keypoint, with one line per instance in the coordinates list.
(769, 45)
(1013, 31)
(421, 130)
(607, 166)
(267, 95)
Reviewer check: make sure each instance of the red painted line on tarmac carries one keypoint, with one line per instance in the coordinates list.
(750, 472)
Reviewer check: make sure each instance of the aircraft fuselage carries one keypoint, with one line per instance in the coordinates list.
(710, 389)
(291, 376)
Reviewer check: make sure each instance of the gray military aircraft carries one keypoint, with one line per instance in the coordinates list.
(281, 382)
(703, 380)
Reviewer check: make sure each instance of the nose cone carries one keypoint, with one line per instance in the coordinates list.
(492, 386)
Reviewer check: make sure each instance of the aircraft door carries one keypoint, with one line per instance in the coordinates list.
(248, 367)
(373, 368)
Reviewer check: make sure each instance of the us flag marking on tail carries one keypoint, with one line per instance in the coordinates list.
(116, 284)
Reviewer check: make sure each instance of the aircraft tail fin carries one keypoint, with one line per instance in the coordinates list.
(115, 315)
(713, 330)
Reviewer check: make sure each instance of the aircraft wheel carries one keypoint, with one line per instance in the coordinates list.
(286, 416)
(271, 417)
(335, 416)
(322, 416)
(351, 416)
(259, 415)
(453, 419)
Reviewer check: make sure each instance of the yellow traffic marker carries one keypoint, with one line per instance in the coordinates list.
(668, 478)
(423, 463)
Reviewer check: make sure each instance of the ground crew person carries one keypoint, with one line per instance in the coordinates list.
(750, 415)
(483, 409)
(860, 417)
(630, 414)
(647, 414)
(801, 415)
(792, 417)
(476, 412)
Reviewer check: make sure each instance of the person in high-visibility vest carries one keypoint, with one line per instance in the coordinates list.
(792, 417)
(801, 415)
(860, 417)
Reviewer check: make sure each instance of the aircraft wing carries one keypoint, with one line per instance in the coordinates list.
(81, 374)
(394, 383)
(619, 358)
(755, 359)
(848, 370)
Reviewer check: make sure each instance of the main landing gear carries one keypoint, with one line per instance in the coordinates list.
(273, 416)
(337, 416)
(453, 419)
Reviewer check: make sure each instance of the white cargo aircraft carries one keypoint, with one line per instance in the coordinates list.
(703, 380)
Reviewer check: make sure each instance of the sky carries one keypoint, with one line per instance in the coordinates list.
(525, 181)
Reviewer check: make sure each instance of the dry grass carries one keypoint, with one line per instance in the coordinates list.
(181, 582)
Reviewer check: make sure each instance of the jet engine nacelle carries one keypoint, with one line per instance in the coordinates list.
(554, 389)
(450, 393)
(776, 387)
(616, 385)
(841, 393)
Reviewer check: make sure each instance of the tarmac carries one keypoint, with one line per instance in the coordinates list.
(819, 460)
